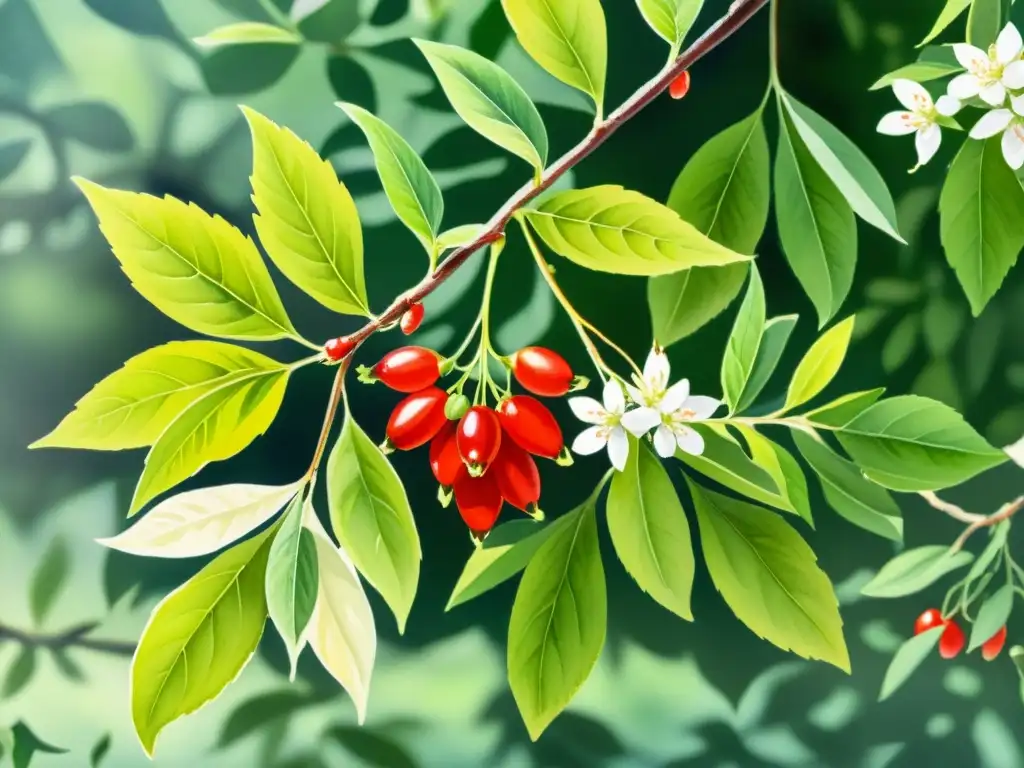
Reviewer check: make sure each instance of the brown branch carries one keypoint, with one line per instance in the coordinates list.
(739, 14)
(975, 522)
(71, 638)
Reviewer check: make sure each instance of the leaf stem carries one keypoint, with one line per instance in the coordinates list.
(773, 44)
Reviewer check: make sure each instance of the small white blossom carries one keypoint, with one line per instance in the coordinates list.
(1011, 124)
(607, 420)
(921, 118)
(652, 386)
(990, 74)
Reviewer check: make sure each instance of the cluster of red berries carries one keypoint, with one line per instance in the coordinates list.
(952, 640)
(482, 456)
(340, 348)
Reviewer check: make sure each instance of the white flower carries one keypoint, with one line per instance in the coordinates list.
(652, 386)
(990, 74)
(607, 421)
(1012, 127)
(921, 118)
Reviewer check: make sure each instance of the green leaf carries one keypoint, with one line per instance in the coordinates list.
(912, 443)
(410, 187)
(671, 19)
(848, 492)
(566, 37)
(292, 580)
(817, 229)
(725, 462)
(984, 21)
(782, 468)
(211, 624)
(373, 749)
(943, 324)
(26, 744)
(1017, 656)
(246, 33)
(133, 406)
(980, 211)
(489, 100)
(20, 673)
(504, 553)
(843, 410)
(769, 352)
(218, 425)
(999, 532)
(744, 342)
(459, 236)
(769, 577)
(307, 219)
(950, 12)
(849, 168)
(724, 192)
(48, 580)
(327, 21)
(559, 619)
(649, 530)
(372, 519)
(914, 570)
(919, 72)
(901, 343)
(907, 659)
(99, 751)
(11, 155)
(992, 616)
(93, 123)
(820, 365)
(195, 268)
(611, 229)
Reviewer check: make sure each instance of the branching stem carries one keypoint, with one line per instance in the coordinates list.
(974, 521)
(76, 637)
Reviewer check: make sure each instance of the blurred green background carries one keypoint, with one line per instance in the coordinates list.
(115, 91)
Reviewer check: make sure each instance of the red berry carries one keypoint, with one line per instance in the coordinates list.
(542, 371)
(408, 369)
(531, 425)
(952, 640)
(517, 477)
(417, 419)
(412, 319)
(339, 348)
(479, 502)
(680, 86)
(445, 461)
(479, 438)
(928, 620)
(994, 645)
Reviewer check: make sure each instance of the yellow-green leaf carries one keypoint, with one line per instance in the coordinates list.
(247, 33)
(566, 37)
(671, 19)
(611, 229)
(195, 268)
(820, 364)
(199, 638)
(307, 219)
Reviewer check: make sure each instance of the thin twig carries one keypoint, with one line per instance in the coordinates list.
(1005, 512)
(951, 509)
(72, 638)
(337, 392)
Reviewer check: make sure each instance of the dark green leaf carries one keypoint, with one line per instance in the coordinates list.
(326, 21)
(506, 551)
(943, 323)
(773, 343)
(844, 409)
(375, 749)
(48, 580)
(901, 343)
(907, 659)
(984, 22)
(67, 666)
(983, 342)
(26, 744)
(20, 673)
(351, 82)
(260, 711)
(148, 19)
(992, 616)
(744, 342)
(243, 69)
(99, 751)
(914, 570)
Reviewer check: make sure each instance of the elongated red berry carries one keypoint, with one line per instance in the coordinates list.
(412, 319)
(542, 371)
(952, 641)
(479, 438)
(337, 349)
(994, 645)
(531, 425)
(928, 620)
(479, 502)
(445, 461)
(680, 86)
(406, 369)
(517, 476)
(417, 419)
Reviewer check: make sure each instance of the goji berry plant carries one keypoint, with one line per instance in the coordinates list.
(480, 416)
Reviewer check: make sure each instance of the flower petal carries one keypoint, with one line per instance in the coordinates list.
(703, 407)
(896, 124)
(618, 448)
(588, 409)
(689, 441)
(614, 399)
(1013, 146)
(590, 441)
(1013, 75)
(636, 395)
(964, 87)
(656, 370)
(948, 105)
(641, 420)
(993, 94)
(912, 95)
(1017, 102)
(973, 59)
(665, 441)
(1008, 44)
(991, 123)
(928, 141)
(675, 396)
